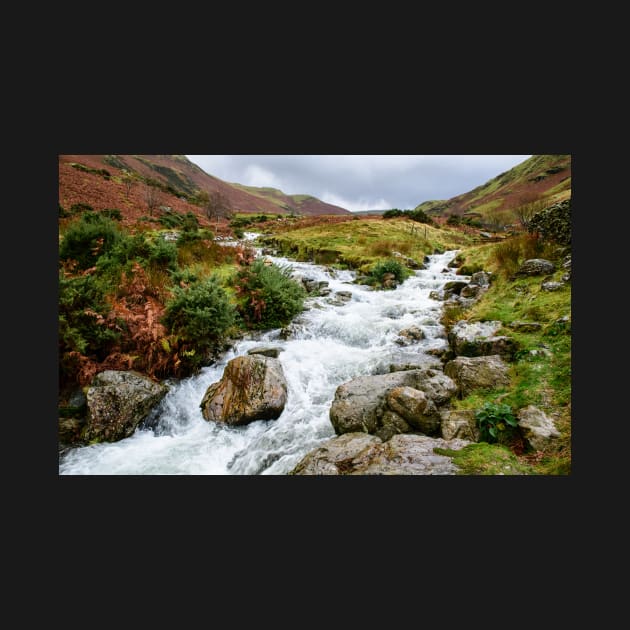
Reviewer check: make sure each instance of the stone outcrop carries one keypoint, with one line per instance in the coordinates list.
(410, 335)
(361, 404)
(266, 351)
(117, 402)
(536, 267)
(521, 326)
(459, 424)
(551, 286)
(553, 223)
(253, 387)
(361, 454)
(475, 339)
(413, 406)
(536, 427)
(471, 373)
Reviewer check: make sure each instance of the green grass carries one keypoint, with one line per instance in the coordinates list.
(360, 244)
(542, 379)
(486, 459)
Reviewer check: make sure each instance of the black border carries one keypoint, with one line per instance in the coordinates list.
(449, 125)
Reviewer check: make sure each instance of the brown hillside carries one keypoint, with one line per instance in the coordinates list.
(539, 177)
(175, 172)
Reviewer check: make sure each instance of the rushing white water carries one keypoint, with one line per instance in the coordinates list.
(329, 345)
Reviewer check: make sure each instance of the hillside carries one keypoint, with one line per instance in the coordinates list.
(541, 176)
(303, 205)
(99, 180)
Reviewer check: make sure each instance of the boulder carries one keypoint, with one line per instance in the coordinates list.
(117, 402)
(471, 373)
(266, 351)
(459, 424)
(338, 455)
(391, 424)
(474, 339)
(413, 406)
(410, 335)
(551, 286)
(359, 404)
(481, 278)
(359, 454)
(454, 287)
(344, 295)
(471, 290)
(253, 387)
(536, 427)
(525, 326)
(536, 267)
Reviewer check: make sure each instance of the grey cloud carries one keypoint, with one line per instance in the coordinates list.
(362, 181)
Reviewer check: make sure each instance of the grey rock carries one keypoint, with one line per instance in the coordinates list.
(338, 455)
(525, 326)
(118, 401)
(471, 373)
(266, 351)
(454, 287)
(536, 267)
(344, 295)
(459, 424)
(358, 454)
(482, 278)
(253, 387)
(551, 286)
(413, 406)
(359, 404)
(536, 427)
(392, 424)
(410, 335)
(473, 339)
(471, 290)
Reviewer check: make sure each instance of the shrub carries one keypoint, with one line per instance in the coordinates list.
(420, 216)
(454, 220)
(82, 328)
(496, 423)
(239, 233)
(79, 208)
(268, 296)
(199, 315)
(112, 213)
(391, 214)
(89, 238)
(388, 266)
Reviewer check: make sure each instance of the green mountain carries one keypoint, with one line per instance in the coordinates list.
(545, 177)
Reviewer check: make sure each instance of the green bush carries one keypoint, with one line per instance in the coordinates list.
(269, 298)
(496, 423)
(78, 208)
(200, 316)
(82, 308)
(388, 266)
(420, 216)
(393, 213)
(239, 233)
(128, 249)
(454, 220)
(112, 213)
(89, 238)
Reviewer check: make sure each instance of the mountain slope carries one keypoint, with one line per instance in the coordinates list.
(541, 176)
(82, 178)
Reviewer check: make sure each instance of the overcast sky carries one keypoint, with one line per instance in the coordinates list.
(361, 182)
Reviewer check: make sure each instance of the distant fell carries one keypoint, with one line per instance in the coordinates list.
(98, 180)
(545, 177)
